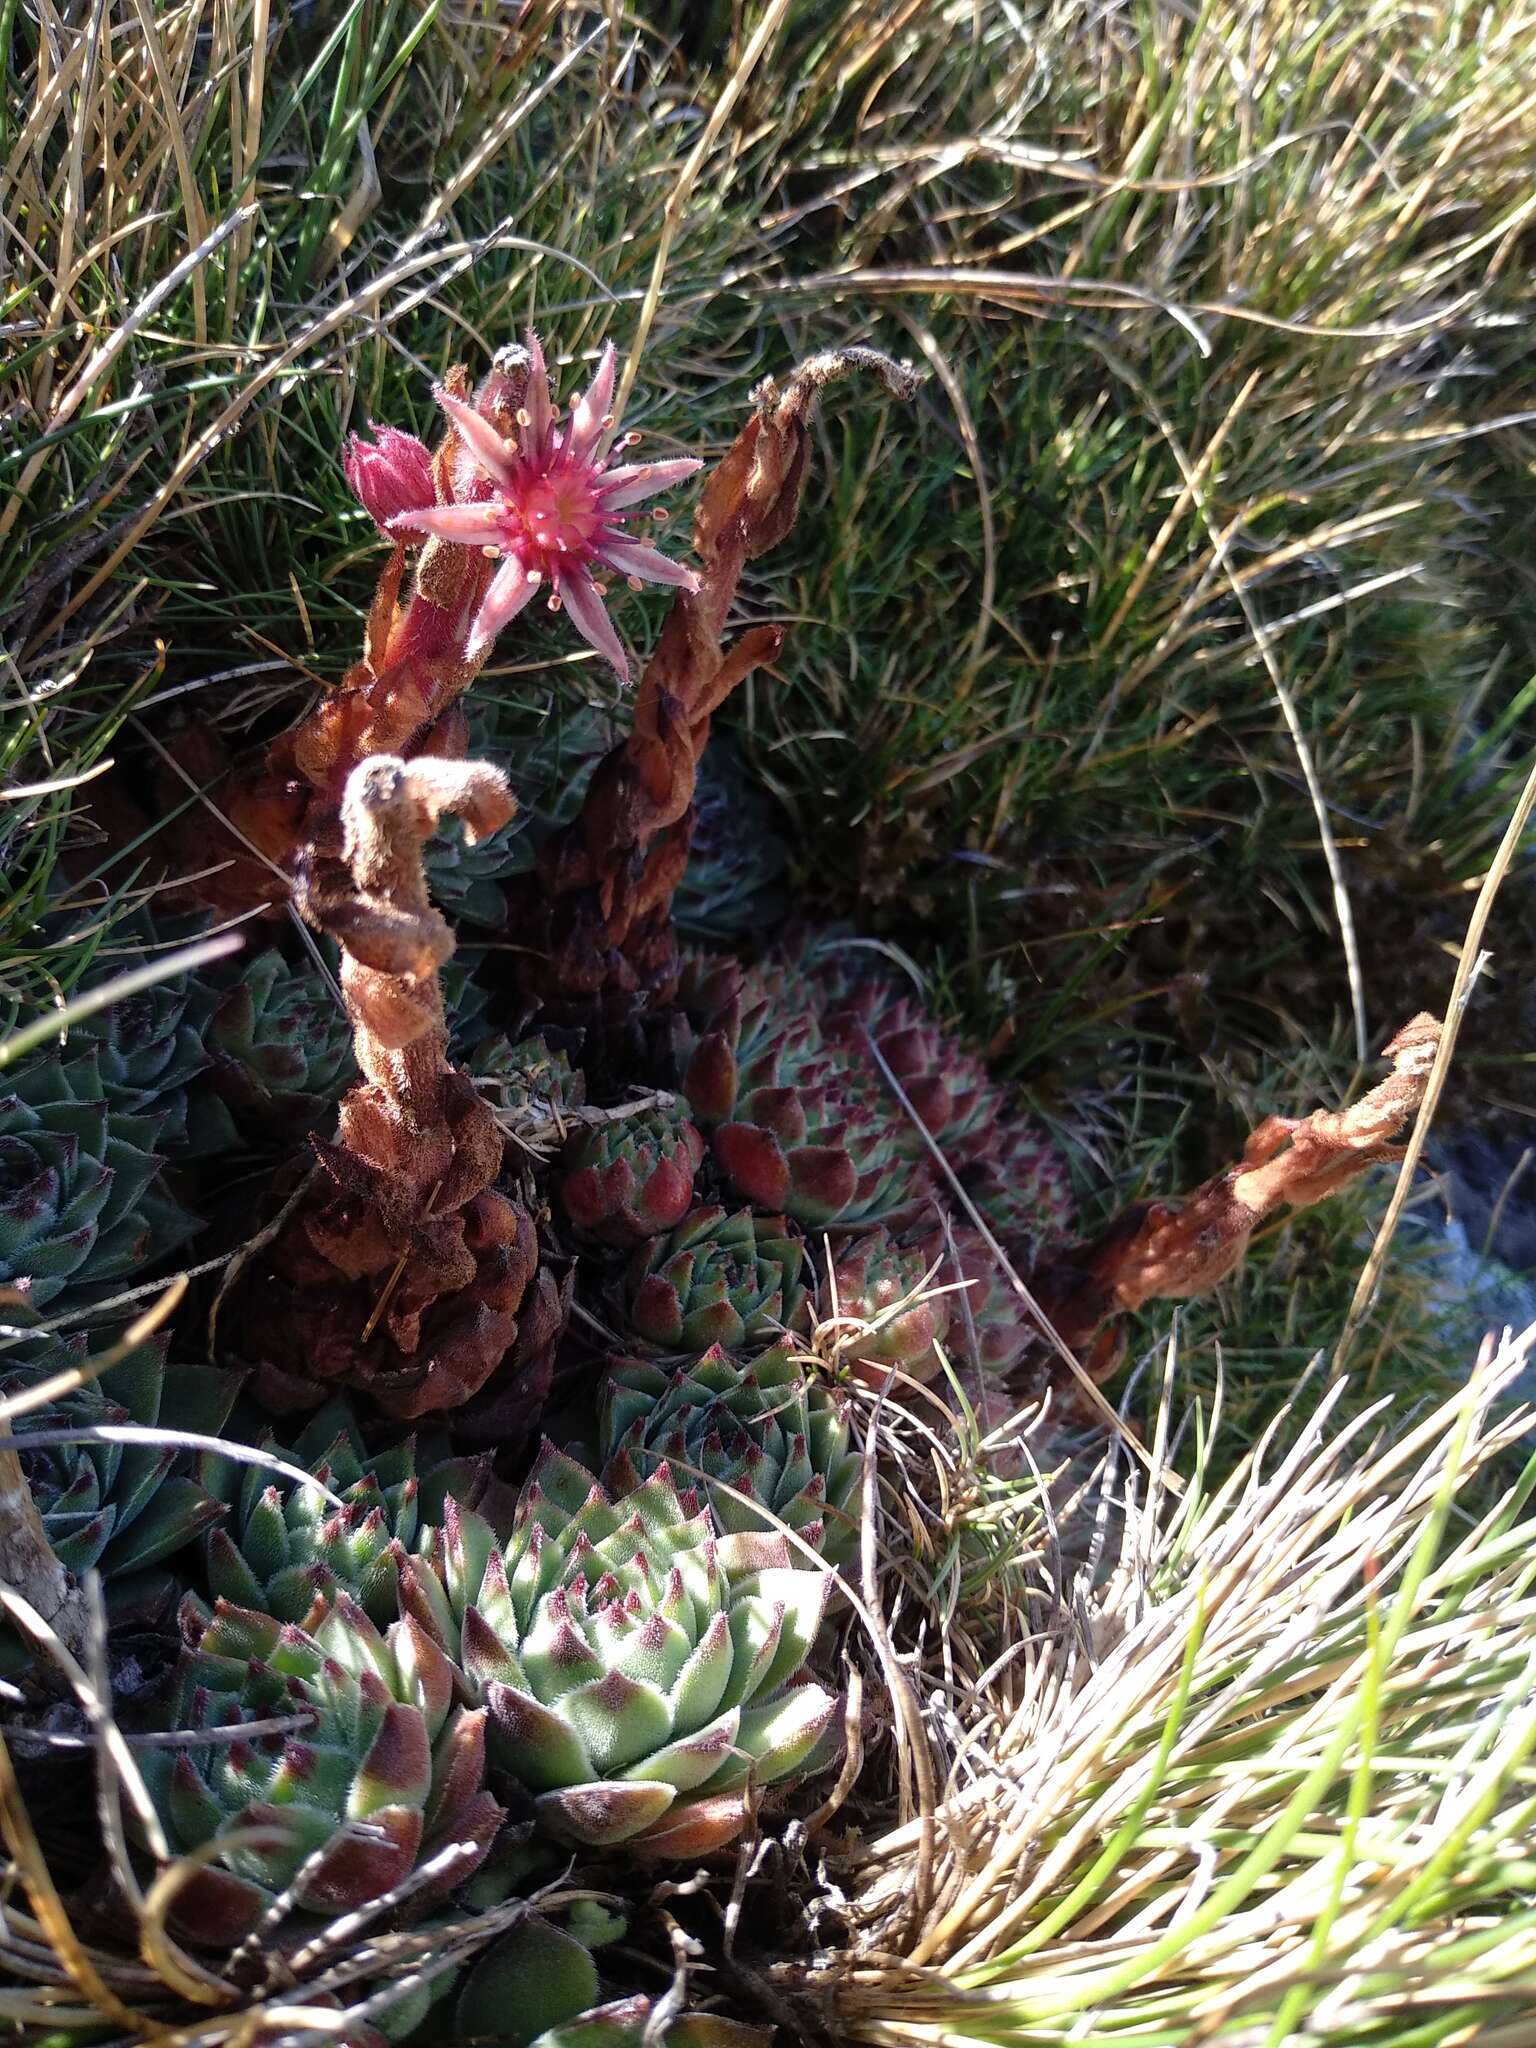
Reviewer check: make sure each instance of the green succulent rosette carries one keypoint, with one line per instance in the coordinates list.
(467, 881)
(122, 1508)
(148, 1052)
(537, 1986)
(826, 1150)
(81, 1202)
(877, 1281)
(290, 1550)
(718, 1279)
(733, 884)
(629, 1180)
(748, 1433)
(279, 1048)
(1022, 1186)
(375, 1771)
(801, 1122)
(641, 1671)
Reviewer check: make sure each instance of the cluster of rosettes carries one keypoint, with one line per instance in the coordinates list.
(825, 1090)
(630, 1660)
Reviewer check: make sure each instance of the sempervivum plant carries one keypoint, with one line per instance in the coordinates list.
(879, 1282)
(80, 1203)
(991, 1331)
(750, 1027)
(530, 1078)
(800, 1125)
(947, 1086)
(466, 876)
(147, 1050)
(1021, 1185)
(631, 1179)
(718, 1279)
(290, 1550)
(641, 1671)
(825, 1150)
(377, 1772)
(736, 858)
(760, 1428)
(121, 1508)
(280, 1056)
(537, 1986)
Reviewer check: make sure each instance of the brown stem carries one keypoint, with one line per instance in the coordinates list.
(1170, 1251)
(595, 920)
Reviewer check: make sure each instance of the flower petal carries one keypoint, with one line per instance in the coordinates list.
(634, 558)
(479, 436)
(470, 525)
(511, 588)
(591, 620)
(541, 417)
(637, 480)
(590, 410)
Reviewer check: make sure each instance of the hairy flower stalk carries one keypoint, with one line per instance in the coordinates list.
(594, 921)
(403, 1271)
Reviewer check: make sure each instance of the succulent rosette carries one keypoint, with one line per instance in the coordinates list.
(529, 1077)
(877, 1281)
(631, 1179)
(381, 1771)
(290, 1550)
(642, 1672)
(1021, 1184)
(948, 1087)
(718, 1279)
(800, 1125)
(736, 857)
(824, 1150)
(279, 1056)
(467, 877)
(751, 1027)
(117, 1508)
(147, 1050)
(758, 1432)
(80, 1199)
(990, 1328)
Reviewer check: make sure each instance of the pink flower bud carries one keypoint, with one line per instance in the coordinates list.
(389, 475)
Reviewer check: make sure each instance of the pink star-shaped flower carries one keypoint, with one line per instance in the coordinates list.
(556, 512)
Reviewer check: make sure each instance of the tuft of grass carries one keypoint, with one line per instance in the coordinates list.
(1265, 1781)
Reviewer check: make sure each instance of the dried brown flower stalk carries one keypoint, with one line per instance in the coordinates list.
(400, 1269)
(1170, 1251)
(595, 917)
